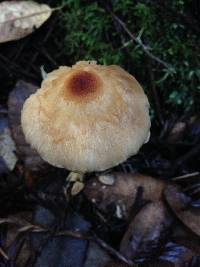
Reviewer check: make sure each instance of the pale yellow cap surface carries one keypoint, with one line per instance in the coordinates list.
(87, 117)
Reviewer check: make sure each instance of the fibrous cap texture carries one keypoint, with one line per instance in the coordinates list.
(87, 117)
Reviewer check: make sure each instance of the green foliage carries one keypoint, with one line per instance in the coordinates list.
(92, 33)
(86, 26)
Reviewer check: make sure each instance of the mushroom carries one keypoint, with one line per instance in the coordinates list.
(87, 117)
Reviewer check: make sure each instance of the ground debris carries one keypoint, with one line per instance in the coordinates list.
(7, 145)
(32, 161)
(122, 192)
(146, 233)
(20, 18)
(181, 205)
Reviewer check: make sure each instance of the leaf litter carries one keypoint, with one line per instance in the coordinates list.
(118, 218)
(20, 18)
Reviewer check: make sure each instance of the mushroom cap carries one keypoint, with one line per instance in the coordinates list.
(87, 117)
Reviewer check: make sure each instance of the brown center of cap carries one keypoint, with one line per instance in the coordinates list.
(82, 84)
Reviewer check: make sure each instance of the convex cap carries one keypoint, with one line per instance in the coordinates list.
(87, 117)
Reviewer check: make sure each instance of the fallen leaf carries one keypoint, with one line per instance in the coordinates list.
(96, 256)
(146, 233)
(7, 145)
(16, 100)
(181, 206)
(175, 255)
(13, 235)
(120, 190)
(59, 250)
(20, 18)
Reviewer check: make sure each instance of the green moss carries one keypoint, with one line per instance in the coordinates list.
(91, 33)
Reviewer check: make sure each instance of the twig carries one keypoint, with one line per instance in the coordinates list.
(13, 220)
(37, 228)
(19, 51)
(24, 225)
(191, 187)
(188, 175)
(47, 55)
(138, 40)
(194, 192)
(186, 157)
(13, 65)
(2, 253)
(155, 95)
(3, 111)
(100, 242)
(112, 251)
(195, 150)
(74, 234)
(38, 51)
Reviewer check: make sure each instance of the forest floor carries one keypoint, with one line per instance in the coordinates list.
(144, 212)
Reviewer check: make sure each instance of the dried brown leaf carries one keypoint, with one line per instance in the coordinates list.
(16, 100)
(122, 193)
(146, 232)
(20, 18)
(96, 256)
(180, 205)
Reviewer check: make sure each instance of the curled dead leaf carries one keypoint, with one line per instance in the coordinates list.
(20, 18)
(13, 235)
(60, 250)
(180, 205)
(16, 100)
(123, 192)
(146, 232)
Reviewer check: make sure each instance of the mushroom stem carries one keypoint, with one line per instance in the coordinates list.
(74, 182)
(75, 177)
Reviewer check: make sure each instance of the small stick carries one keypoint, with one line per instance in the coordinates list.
(112, 251)
(100, 242)
(138, 40)
(75, 234)
(154, 92)
(35, 228)
(191, 187)
(188, 175)
(4, 254)
(195, 150)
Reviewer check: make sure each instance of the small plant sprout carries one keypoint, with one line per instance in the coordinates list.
(87, 117)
